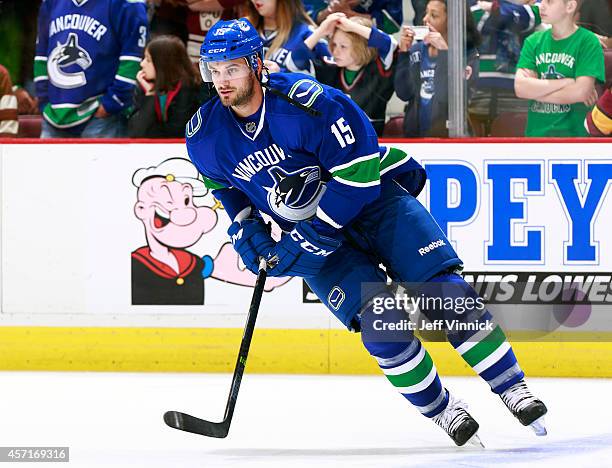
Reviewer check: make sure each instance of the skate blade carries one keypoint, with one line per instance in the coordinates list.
(475, 441)
(538, 427)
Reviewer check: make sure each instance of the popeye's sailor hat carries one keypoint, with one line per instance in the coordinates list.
(174, 169)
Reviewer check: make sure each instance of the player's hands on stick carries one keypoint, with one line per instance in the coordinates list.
(302, 252)
(251, 239)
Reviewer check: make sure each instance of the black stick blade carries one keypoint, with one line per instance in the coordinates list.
(188, 423)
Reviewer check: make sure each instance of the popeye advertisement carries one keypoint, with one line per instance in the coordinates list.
(168, 269)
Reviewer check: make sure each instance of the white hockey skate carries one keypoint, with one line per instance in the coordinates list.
(458, 423)
(525, 407)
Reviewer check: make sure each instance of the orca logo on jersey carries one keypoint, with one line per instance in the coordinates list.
(68, 55)
(295, 195)
(305, 92)
(552, 73)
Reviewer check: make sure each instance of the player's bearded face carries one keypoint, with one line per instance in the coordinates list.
(237, 93)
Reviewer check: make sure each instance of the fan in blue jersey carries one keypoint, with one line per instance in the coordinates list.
(307, 156)
(283, 25)
(87, 57)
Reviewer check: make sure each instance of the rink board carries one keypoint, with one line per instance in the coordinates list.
(272, 351)
(69, 228)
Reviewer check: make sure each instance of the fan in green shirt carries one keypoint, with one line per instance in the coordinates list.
(558, 68)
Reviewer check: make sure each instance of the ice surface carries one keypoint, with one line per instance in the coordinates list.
(115, 419)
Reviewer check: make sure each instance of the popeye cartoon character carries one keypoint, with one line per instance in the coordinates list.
(164, 272)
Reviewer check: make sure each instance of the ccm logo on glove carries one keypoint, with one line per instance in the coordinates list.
(307, 246)
(236, 236)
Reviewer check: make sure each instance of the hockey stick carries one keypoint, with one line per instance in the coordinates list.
(188, 423)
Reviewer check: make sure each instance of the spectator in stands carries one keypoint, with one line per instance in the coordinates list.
(387, 15)
(87, 57)
(362, 63)
(203, 14)
(8, 106)
(598, 121)
(421, 77)
(557, 72)
(503, 26)
(283, 26)
(168, 91)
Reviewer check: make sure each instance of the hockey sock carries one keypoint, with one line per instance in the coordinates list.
(408, 366)
(485, 348)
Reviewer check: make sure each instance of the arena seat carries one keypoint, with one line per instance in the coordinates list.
(394, 128)
(509, 124)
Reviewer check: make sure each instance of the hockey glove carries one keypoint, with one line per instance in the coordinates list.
(302, 252)
(251, 240)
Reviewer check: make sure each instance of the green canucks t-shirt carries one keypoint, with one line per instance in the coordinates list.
(577, 55)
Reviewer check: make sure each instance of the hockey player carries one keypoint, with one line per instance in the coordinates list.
(307, 156)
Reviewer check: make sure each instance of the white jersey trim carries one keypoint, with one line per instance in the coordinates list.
(324, 217)
(124, 79)
(261, 119)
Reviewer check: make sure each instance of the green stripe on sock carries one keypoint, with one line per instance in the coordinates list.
(128, 69)
(484, 349)
(415, 375)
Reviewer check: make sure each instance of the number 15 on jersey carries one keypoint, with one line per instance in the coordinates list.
(343, 133)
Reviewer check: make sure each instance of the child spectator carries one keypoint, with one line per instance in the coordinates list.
(87, 56)
(557, 71)
(8, 106)
(362, 63)
(168, 91)
(421, 77)
(283, 26)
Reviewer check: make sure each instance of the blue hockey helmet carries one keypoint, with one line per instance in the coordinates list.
(228, 40)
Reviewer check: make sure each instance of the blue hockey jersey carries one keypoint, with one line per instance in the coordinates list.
(87, 52)
(299, 33)
(290, 164)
